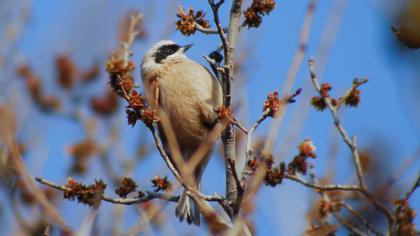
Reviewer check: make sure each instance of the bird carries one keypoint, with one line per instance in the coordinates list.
(189, 95)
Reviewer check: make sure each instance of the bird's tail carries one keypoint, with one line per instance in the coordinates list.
(187, 209)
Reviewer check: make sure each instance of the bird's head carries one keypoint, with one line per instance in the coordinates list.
(162, 52)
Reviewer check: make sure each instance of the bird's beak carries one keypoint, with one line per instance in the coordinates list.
(186, 47)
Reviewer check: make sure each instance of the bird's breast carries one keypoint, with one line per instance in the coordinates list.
(188, 94)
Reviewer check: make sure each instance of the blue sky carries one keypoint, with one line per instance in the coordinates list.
(362, 48)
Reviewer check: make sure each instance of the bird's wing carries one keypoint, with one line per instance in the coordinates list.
(151, 88)
(195, 84)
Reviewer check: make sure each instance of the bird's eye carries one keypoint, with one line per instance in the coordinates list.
(169, 51)
(165, 51)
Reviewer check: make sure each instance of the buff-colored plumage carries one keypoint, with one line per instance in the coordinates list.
(188, 94)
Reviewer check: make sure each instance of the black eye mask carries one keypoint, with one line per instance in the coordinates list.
(164, 51)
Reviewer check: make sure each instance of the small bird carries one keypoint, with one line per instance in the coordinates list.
(189, 95)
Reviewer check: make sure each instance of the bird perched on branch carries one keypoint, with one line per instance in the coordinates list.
(188, 94)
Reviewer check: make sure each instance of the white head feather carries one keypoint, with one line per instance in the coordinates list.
(149, 60)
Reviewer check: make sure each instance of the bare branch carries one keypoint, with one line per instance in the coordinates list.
(414, 187)
(215, 9)
(205, 30)
(239, 188)
(293, 71)
(40, 197)
(347, 224)
(235, 175)
(162, 152)
(251, 131)
(132, 33)
(238, 124)
(229, 45)
(216, 223)
(330, 187)
(303, 45)
(387, 212)
(351, 143)
(360, 217)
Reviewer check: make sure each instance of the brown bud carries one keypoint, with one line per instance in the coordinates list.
(161, 184)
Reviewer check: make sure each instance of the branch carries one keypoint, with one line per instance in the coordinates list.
(229, 45)
(215, 9)
(414, 187)
(229, 48)
(354, 86)
(293, 71)
(238, 124)
(251, 131)
(228, 136)
(214, 65)
(350, 227)
(235, 175)
(239, 188)
(132, 33)
(351, 143)
(205, 30)
(388, 213)
(360, 217)
(303, 46)
(329, 187)
(202, 150)
(392, 180)
(162, 152)
(129, 201)
(124, 201)
(39, 196)
(216, 223)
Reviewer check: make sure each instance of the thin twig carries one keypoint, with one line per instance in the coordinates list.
(40, 197)
(124, 201)
(162, 152)
(215, 9)
(302, 48)
(351, 143)
(393, 179)
(216, 223)
(235, 175)
(350, 227)
(205, 30)
(214, 65)
(414, 187)
(360, 217)
(251, 131)
(204, 148)
(148, 195)
(132, 33)
(381, 207)
(238, 124)
(354, 86)
(330, 187)
(293, 71)
(239, 188)
(210, 215)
